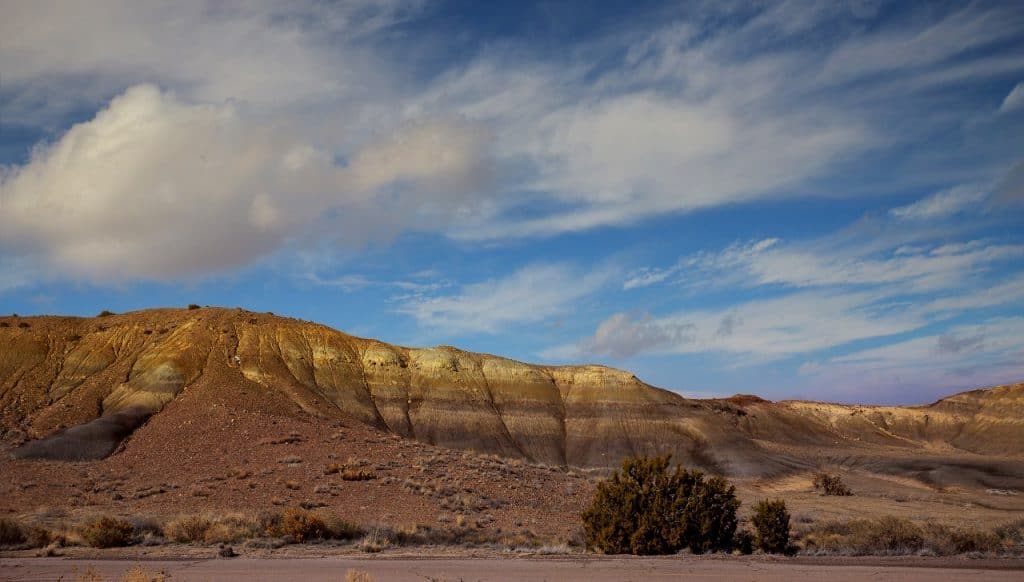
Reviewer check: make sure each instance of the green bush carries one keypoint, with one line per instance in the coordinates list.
(644, 508)
(771, 521)
(107, 532)
(743, 542)
(831, 484)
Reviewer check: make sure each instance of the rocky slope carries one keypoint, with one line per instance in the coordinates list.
(79, 387)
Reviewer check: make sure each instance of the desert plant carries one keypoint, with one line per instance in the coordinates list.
(193, 306)
(644, 508)
(140, 574)
(743, 542)
(105, 313)
(374, 541)
(11, 532)
(340, 529)
(358, 576)
(188, 529)
(107, 532)
(24, 324)
(302, 525)
(831, 484)
(771, 522)
(357, 475)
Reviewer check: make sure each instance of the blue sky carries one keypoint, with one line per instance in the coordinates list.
(796, 199)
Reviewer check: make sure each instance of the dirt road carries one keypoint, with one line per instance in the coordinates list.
(492, 569)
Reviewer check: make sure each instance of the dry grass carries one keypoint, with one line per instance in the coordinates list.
(11, 532)
(140, 574)
(375, 541)
(188, 529)
(107, 532)
(897, 536)
(358, 576)
(302, 525)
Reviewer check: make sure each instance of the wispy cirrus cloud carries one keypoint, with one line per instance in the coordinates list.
(979, 355)
(529, 295)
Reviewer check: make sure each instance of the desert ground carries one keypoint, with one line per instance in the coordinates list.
(576, 569)
(226, 418)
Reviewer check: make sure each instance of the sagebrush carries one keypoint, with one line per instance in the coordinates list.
(771, 522)
(645, 508)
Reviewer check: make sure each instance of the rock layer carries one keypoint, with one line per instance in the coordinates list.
(76, 387)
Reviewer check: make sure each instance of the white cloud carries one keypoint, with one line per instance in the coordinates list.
(621, 336)
(982, 354)
(260, 52)
(155, 187)
(941, 205)
(1014, 99)
(905, 49)
(813, 264)
(530, 295)
(611, 131)
(762, 329)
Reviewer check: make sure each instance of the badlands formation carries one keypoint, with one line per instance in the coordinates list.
(169, 399)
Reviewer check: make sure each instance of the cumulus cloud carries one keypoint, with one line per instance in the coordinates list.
(529, 295)
(156, 187)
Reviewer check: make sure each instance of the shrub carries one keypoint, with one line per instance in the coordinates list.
(357, 475)
(107, 532)
(188, 529)
(831, 484)
(193, 306)
(302, 525)
(887, 535)
(743, 542)
(24, 324)
(4, 324)
(339, 529)
(38, 537)
(644, 508)
(771, 521)
(74, 337)
(374, 541)
(105, 313)
(11, 532)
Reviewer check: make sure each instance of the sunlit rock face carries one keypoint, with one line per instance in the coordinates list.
(77, 388)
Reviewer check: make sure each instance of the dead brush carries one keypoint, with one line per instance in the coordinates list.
(107, 532)
(375, 541)
(352, 474)
(897, 536)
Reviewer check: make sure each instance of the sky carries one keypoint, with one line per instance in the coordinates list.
(819, 200)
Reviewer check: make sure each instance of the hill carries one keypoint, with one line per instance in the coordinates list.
(172, 408)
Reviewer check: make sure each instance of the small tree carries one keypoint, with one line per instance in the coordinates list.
(831, 484)
(644, 508)
(771, 521)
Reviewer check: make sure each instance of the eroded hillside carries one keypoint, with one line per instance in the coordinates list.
(78, 387)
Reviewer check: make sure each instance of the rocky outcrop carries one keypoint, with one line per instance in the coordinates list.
(75, 388)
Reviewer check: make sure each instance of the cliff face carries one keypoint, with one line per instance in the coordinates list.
(75, 388)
